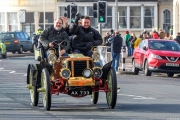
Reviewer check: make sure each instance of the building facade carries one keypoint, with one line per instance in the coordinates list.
(37, 13)
(133, 15)
(176, 17)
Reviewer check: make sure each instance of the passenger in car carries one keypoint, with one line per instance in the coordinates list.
(85, 36)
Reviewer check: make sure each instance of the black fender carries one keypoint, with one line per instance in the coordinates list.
(33, 68)
(106, 68)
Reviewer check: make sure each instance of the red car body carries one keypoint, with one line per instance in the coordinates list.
(157, 55)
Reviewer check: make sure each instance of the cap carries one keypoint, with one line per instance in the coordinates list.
(107, 32)
(127, 31)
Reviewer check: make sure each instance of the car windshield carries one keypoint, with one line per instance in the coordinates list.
(164, 45)
(6, 36)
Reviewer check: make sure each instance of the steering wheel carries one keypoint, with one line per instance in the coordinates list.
(55, 43)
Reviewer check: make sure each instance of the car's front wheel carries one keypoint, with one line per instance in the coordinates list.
(4, 55)
(146, 69)
(170, 74)
(135, 70)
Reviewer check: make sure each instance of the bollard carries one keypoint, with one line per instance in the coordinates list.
(123, 59)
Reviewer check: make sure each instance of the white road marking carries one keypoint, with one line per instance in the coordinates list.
(137, 97)
(13, 72)
(25, 75)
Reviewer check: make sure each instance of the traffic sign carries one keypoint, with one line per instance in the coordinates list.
(22, 16)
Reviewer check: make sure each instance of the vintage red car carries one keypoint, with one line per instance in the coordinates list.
(157, 55)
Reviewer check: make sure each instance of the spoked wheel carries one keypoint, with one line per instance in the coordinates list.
(135, 70)
(33, 91)
(147, 71)
(111, 96)
(45, 84)
(94, 97)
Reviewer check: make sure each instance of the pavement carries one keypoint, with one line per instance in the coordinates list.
(128, 66)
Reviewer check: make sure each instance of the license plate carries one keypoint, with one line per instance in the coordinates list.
(77, 92)
(172, 64)
(6, 42)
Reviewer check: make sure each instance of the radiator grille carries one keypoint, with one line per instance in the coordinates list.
(79, 66)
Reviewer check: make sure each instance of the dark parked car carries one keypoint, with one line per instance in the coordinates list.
(17, 41)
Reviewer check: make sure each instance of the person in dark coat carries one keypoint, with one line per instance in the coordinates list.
(106, 41)
(178, 37)
(85, 37)
(116, 44)
(55, 32)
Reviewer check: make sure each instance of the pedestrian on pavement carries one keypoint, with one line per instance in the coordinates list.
(178, 37)
(138, 40)
(161, 33)
(107, 42)
(155, 34)
(167, 37)
(116, 44)
(132, 39)
(126, 38)
(145, 37)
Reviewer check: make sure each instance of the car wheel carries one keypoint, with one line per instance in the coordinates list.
(5, 55)
(111, 95)
(20, 51)
(94, 97)
(135, 70)
(46, 86)
(147, 71)
(170, 74)
(13, 52)
(33, 48)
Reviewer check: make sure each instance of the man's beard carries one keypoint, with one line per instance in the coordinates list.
(57, 28)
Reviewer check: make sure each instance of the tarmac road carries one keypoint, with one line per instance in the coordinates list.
(140, 98)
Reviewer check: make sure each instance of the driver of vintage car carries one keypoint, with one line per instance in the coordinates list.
(55, 32)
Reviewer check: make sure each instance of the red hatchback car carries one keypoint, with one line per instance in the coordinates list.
(157, 55)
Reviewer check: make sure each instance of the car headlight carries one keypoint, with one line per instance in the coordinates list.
(97, 72)
(155, 56)
(65, 73)
(87, 73)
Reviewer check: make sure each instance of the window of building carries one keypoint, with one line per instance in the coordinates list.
(135, 17)
(2, 22)
(122, 11)
(82, 10)
(166, 20)
(148, 17)
(90, 14)
(49, 19)
(12, 20)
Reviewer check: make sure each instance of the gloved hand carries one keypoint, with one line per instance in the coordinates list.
(89, 45)
(77, 18)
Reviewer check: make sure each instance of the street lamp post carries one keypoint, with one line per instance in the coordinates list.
(44, 13)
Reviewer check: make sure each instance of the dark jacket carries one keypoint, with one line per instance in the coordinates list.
(116, 44)
(50, 34)
(85, 38)
(106, 42)
(132, 40)
(177, 39)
